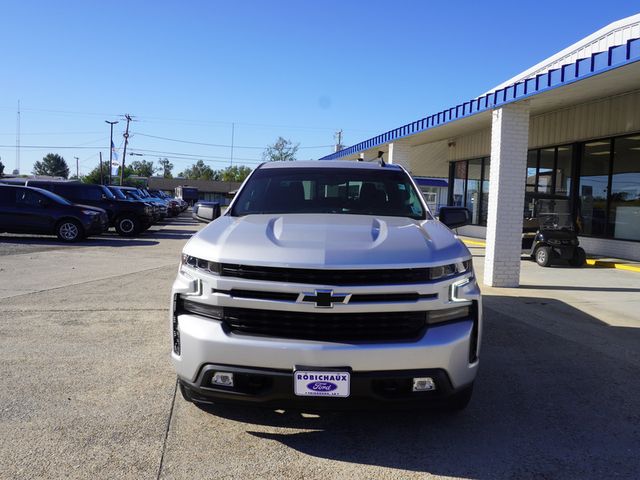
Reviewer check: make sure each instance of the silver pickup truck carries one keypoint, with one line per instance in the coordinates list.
(327, 285)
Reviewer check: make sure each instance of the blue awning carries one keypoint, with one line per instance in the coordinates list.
(431, 182)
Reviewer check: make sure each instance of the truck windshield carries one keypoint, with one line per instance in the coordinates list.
(117, 193)
(107, 193)
(353, 191)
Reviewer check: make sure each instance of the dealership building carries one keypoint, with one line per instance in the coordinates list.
(567, 128)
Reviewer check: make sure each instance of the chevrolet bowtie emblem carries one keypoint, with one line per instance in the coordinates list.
(324, 298)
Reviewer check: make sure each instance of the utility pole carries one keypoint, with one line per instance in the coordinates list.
(18, 140)
(124, 152)
(101, 178)
(110, 150)
(77, 168)
(338, 137)
(233, 128)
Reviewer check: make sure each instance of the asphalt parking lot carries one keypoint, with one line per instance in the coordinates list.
(87, 391)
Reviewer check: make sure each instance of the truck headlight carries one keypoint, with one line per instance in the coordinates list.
(199, 264)
(444, 271)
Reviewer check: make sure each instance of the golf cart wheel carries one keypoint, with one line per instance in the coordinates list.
(543, 256)
(579, 258)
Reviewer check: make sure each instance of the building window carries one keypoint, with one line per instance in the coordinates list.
(470, 187)
(459, 183)
(603, 187)
(594, 185)
(474, 189)
(624, 203)
(549, 170)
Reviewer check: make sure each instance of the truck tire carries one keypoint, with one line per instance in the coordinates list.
(127, 226)
(460, 400)
(543, 256)
(185, 393)
(579, 257)
(69, 230)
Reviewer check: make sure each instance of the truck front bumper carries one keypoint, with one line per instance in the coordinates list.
(380, 371)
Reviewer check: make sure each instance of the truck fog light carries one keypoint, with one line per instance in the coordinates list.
(224, 379)
(423, 384)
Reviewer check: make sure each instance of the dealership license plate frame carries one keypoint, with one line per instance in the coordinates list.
(303, 377)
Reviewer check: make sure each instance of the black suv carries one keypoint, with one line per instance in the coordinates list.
(32, 210)
(129, 218)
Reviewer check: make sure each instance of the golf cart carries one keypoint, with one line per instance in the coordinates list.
(549, 231)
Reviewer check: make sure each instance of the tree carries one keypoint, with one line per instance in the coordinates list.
(165, 167)
(1, 169)
(52, 165)
(234, 174)
(199, 171)
(94, 175)
(281, 151)
(142, 168)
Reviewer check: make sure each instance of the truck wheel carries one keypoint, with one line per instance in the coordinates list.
(127, 226)
(543, 256)
(460, 400)
(69, 230)
(579, 257)
(184, 392)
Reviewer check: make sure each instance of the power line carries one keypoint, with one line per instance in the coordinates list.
(49, 147)
(54, 133)
(191, 155)
(216, 144)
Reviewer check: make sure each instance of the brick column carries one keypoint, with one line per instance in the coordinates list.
(399, 153)
(509, 143)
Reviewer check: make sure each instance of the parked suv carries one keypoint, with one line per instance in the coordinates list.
(122, 194)
(128, 218)
(32, 210)
(327, 285)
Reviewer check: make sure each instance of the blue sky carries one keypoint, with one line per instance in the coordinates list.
(301, 70)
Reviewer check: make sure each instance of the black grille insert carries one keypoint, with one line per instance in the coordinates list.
(328, 277)
(389, 326)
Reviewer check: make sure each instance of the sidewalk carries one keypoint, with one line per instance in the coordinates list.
(592, 260)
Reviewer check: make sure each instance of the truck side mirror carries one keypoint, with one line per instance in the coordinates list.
(208, 213)
(454, 217)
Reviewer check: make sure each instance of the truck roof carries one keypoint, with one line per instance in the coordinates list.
(329, 164)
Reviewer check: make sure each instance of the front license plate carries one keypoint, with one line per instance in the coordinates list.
(317, 383)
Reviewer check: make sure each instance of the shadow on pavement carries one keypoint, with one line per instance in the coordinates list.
(169, 233)
(544, 406)
(98, 241)
(585, 289)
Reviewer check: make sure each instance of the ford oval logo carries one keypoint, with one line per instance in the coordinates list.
(322, 386)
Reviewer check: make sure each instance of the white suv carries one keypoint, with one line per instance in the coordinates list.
(326, 285)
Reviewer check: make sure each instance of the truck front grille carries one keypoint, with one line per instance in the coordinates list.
(328, 277)
(390, 326)
(327, 326)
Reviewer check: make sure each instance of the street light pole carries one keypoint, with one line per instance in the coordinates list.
(110, 149)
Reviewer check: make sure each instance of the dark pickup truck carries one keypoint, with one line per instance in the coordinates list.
(129, 218)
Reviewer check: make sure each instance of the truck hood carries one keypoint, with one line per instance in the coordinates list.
(327, 240)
